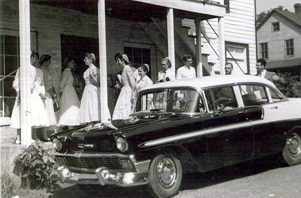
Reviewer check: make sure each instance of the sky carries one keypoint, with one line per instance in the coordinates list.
(265, 5)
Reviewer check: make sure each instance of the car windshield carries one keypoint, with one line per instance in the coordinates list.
(181, 99)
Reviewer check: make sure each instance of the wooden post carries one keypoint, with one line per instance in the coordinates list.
(198, 47)
(104, 110)
(24, 27)
(222, 49)
(171, 39)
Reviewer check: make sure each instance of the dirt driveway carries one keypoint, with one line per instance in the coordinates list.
(266, 177)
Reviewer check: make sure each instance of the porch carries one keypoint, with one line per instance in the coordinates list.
(162, 21)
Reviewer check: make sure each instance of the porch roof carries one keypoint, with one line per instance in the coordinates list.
(296, 62)
(142, 10)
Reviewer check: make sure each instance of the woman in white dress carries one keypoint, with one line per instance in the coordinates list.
(69, 102)
(123, 105)
(166, 74)
(51, 95)
(89, 108)
(37, 110)
(144, 80)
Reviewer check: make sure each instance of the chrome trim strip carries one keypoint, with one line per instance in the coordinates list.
(212, 130)
(193, 134)
(94, 155)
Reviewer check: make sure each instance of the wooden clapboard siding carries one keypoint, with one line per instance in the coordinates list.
(239, 27)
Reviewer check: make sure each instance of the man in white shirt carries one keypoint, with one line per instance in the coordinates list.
(186, 71)
(228, 68)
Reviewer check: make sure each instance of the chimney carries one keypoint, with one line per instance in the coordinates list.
(297, 7)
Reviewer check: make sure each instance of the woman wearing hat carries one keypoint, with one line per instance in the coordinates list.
(123, 105)
(89, 107)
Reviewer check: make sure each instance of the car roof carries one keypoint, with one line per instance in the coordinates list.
(209, 81)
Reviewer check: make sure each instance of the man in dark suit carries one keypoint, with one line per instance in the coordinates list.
(262, 72)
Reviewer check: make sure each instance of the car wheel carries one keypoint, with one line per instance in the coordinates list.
(292, 150)
(165, 176)
(92, 189)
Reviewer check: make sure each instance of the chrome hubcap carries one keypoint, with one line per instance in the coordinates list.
(166, 172)
(294, 145)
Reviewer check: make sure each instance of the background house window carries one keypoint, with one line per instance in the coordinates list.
(275, 27)
(263, 50)
(289, 47)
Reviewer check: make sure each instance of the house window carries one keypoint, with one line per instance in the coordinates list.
(9, 63)
(275, 27)
(289, 47)
(263, 50)
(139, 56)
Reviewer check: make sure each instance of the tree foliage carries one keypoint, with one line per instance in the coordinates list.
(292, 87)
(261, 16)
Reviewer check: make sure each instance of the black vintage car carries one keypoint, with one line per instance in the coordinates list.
(177, 127)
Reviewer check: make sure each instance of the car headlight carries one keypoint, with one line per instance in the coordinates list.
(57, 144)
(121, 144)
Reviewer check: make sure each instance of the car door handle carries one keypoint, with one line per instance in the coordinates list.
(274, 107)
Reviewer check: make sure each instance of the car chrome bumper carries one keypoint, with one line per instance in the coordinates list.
(103, 177)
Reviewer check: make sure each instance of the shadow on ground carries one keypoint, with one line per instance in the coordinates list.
(189, 182)
(201, 180)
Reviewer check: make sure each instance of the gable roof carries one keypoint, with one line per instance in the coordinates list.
(290, 16)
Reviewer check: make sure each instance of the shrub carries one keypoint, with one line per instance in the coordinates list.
(34, 165)
(6, 185)
(292, 87)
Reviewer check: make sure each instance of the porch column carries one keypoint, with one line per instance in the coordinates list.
(198, 47)
(171, 39)
(104, 110)
(24, 27)
(222, 49)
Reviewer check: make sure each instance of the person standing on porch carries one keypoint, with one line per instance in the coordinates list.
(144, 80)
(123, 105)
(51, 95)
(166, 74)
(186, 71)
(38, 110)
(89, 109)
(69, 102)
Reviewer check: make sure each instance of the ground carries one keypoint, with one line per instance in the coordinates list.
(266, 177)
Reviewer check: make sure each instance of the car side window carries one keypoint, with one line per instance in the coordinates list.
(275, 96)
(171, 100)
(221, 96)
(253, 94)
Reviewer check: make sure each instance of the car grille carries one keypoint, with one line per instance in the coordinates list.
(112, 163)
